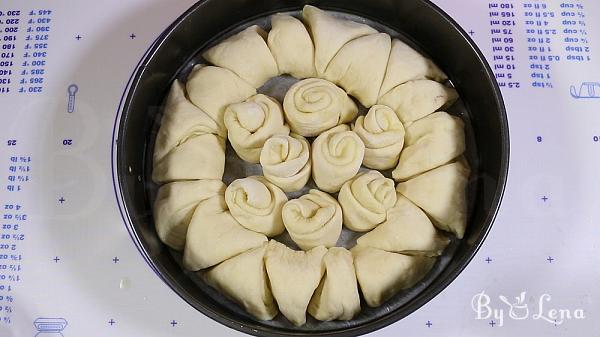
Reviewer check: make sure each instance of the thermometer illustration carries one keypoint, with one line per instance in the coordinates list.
(71, 90)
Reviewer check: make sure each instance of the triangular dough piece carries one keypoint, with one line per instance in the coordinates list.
(292, 47)
(212, 89)
(330, 34)
(199, 157)
(174, 205)
(406, 64)
(416, 99)
(244, 279)
(430, 142)
(382, 275)
(246, 54)
(294, 276)
(214, 236)
(359, 67)
(337, 295)
(441, 193)
(187, 132)
(407, 230)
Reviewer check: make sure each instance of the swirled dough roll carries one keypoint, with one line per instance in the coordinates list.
(314, 105)
(291, 46)
(359, 67)
(250, 123)
(383, 135)
(285, 161)
(214, 236)
(416, 99)
(430, 142)
(337, 155)
(189, 144)
(407, 230)
(212, 89)
(337, 296)
(243, 278)
(256, 204)
(330, 34)
(314, 219)
(246, 54)
(441, 193)
(174, 205)
(406, 64)
(382, 274)
(365, 200)
(294, 276)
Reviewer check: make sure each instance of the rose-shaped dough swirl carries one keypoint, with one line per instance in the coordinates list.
(366, 199)
(312, 220)
(250, 123)
(383, 135)
(256, 204)
(286, 161)
(314, 105)
(337, 155)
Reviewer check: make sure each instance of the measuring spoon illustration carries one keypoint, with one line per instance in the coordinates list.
(71, 90)
(586, 90)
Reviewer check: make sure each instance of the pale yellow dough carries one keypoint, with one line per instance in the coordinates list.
(407, 230)
(382, 274)
(294, 276)
(337, 155)
(285, 161)
(441, 193)
(256, 204)
(383, 135)
(214, 236)
(365, 200)
(292, 47)
(244, 279)
(337, 296)
(246, 54)
(430, 142)
(189, 144)
(314, 219)
(174, 205)
(250, 123)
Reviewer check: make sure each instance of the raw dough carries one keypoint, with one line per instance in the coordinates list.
(337, 155)
(407, 230)
(215, 236)
(292, 46)
(330, 34)
(406, 64)
(256, 204)
(382, 274)
(250, 123)
(244, 279)
(314, 219)
(212, 89)
(285, 161)
(294, 276)
(441, 193)
(246, 54)
(174, 205)
(189, 144)
(336, 297)
(416, 99)
(365, 200)
(430, 142)
(359, 67)
(383, 135)
(314, 105)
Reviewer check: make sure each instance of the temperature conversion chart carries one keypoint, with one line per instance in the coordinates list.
(68, 266)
